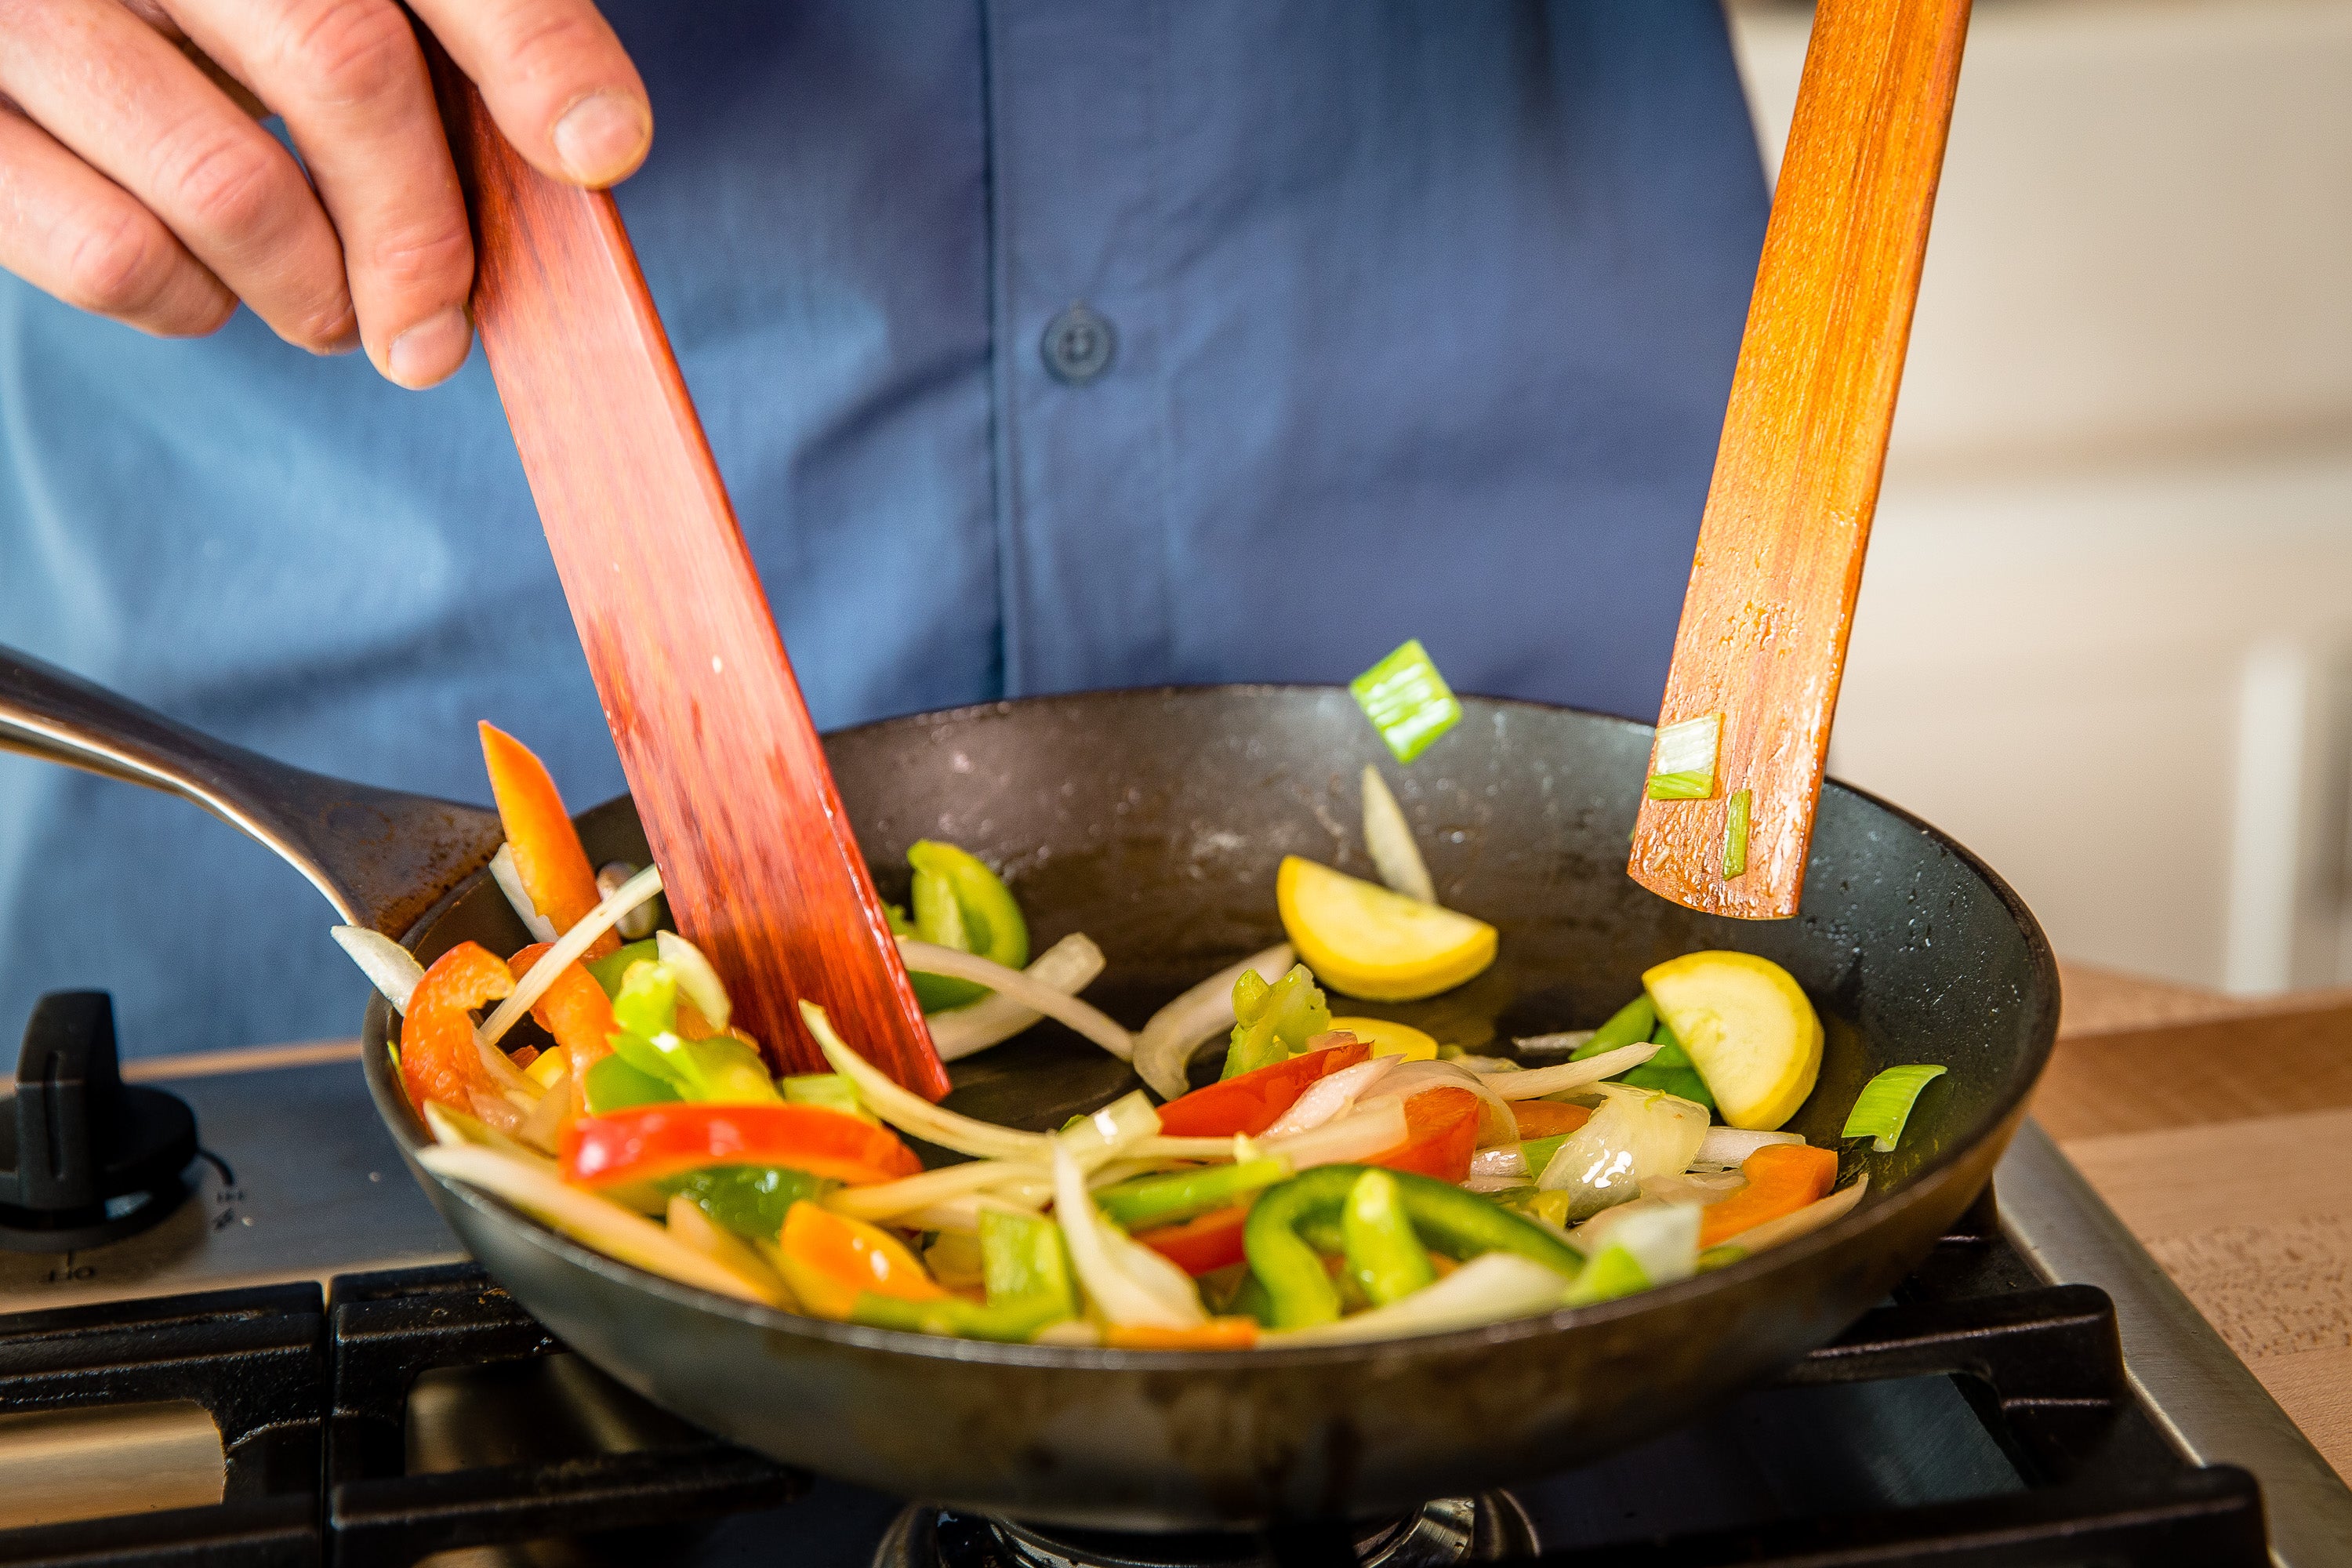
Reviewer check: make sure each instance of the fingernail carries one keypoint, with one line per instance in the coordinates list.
(602, 137)
(344, 345)
(430, 351)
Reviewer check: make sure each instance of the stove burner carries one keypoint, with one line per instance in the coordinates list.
(1490, 1527)
(84, 1157)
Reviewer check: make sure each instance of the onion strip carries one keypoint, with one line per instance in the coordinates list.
(1389, 837)
(1132, 1286)
(1730, 1146)
(930, 958)
(1331, 1096)
(605, 1226)
(1373, 1129)
(885, 1200)
(1496, 1125)
(1804, 1221)
(1069, 966)
(1166, 1045)
(1534, 1083)
(910, 1112)
(1489, 1288)
(504, 872)
(390, 967)
(569, 947)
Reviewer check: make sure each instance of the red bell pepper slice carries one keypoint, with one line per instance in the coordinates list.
(1202, 1245)
(547, 855)
(439, 1059)
(645, 1143)
(1441, 1133)
(1252, 1101)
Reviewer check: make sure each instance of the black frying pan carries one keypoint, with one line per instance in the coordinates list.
(1153, 821)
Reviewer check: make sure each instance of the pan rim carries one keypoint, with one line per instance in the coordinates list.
(1929, 1183)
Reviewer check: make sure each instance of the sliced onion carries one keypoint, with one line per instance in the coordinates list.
(1489, 1288)
(1567, 1040)
(1508, 1162)
(1069, 966)
(910, 1112)
(1534, 1083)
(1691, 1188)
(1634, 1135)
(1477, 1183)
(1373, 1129)
(390, 967)
(569, 947)
(1496, 1125)
(450, 1125)
(504, 872)
(1390, 838)
(1804, 1221)
(1662, 1237)
(582, 1215)
(1174, 1034)
(1130, 1285)
(1731, 1146)
(963, 1214)
(930, 958)
(542, 1124)
(696, 978)
(887, 1200)
(1330, 1096)
(689, 1226)
(1103, 1135)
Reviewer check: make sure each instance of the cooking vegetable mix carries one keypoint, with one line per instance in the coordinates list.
(1345, 1177)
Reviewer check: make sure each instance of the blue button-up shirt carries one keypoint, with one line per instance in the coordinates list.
(1419, 319)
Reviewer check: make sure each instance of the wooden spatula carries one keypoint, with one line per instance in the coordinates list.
(757, 857)
(1763, 634)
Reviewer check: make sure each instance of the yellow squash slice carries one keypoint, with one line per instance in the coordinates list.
(1390, 1039)
(1364, 941)
(1748, 1029)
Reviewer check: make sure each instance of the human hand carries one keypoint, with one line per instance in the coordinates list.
(135, 182)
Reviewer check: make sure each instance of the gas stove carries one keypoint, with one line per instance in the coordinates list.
(294, 1365)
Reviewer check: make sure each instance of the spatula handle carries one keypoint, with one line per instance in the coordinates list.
(1763, 634)
(758, 860)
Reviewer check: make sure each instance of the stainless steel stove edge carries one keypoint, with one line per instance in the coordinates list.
(2194, 1385)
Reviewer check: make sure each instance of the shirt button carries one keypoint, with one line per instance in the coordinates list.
(1078, 345)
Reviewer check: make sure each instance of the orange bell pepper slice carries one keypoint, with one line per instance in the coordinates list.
(574, 1009)
(647, 1142)
(1441, 1133)
(830, 1259)
(439, 1059)
(1204, 1244)
(1547, 1118)
(1781, 1179)
(547, 854)
(1252, 1101)
(1216, 1334)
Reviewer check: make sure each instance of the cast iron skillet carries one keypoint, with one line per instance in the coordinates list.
(1153, 821)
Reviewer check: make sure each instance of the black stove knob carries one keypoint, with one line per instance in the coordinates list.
(84, 1157)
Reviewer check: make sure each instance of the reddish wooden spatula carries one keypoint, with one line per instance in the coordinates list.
(1763, 634)
(757, 857)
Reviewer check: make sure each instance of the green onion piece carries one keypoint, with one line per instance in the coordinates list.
(1407, 701)
(1683, 765)
(1735, 834)
(1629, 1024)
(1884, 1105)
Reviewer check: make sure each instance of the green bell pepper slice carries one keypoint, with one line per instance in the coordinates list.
(958, 902)
(1384, 1256)
(749, 1200)
(612, 1084)
(1628, 1025)
(720, 1069)
(1460, 1225)
(1154, 1200)
(609, 969)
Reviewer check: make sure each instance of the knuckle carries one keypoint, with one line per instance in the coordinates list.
(547, 40)
(349, 50)
(227, 188)
(434, 259)
(120, 265)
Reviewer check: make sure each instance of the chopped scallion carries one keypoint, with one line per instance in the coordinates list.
(1735, 834)
(1407, 701)
(1884, 1105)
(1683, 765)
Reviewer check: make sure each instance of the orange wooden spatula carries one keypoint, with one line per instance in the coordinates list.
(1763, 634)
(757, 858)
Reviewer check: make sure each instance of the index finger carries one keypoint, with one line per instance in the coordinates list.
(556, 80)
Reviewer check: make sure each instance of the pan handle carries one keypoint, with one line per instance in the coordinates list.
(382, 857)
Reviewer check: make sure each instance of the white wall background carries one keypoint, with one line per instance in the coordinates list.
(2105, 633)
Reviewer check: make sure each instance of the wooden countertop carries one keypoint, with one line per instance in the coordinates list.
(2218, 1130)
